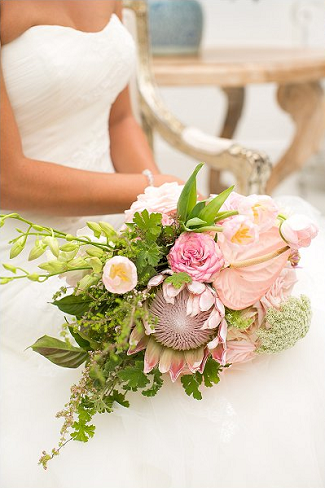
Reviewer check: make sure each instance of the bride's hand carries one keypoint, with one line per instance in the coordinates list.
(160, 179)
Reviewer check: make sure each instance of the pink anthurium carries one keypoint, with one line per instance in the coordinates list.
(241, 287)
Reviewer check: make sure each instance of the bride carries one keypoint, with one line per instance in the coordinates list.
(70, 148)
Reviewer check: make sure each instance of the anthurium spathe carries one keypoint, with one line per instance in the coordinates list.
(240, 287)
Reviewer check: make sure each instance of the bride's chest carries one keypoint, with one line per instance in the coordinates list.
(62, 66)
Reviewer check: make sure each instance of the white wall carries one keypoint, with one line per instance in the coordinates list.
(250, 22)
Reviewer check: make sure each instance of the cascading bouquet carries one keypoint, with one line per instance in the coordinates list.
(185, 288)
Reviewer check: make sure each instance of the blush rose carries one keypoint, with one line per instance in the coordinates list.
(198, 255)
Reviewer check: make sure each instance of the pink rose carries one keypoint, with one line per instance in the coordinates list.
(162, 199)
(240, 230)
(198, 255)
(298, 230)
(119, 275)
(261, 209)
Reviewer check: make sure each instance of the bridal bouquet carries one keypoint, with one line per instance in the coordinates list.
(186, 288)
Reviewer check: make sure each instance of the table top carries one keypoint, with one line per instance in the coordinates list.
(239, 66)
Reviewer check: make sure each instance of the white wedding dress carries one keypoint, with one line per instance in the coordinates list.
(263, 426)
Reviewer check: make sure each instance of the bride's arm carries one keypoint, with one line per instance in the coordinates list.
(49, 188)
(135, 155)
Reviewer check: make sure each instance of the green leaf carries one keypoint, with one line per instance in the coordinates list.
(187, 199)
(73, 305)
(178, 279)
(82, 430)
(118, 397)
(134, 376)
(157, 383)
(150, 224)
(211, 372)
(111, 364)
(97, 374)
(59, 352)
(81, 341)
(225, 215)
(209, 212)
(191, 383)
(197, 209)
(195, 222)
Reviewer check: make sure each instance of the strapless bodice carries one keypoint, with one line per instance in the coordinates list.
(61, 83)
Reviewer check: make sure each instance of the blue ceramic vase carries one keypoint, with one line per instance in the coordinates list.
(175, 26)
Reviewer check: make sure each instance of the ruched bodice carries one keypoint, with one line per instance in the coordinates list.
(62, 83)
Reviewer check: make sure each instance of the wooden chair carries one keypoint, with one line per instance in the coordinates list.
(250, 168)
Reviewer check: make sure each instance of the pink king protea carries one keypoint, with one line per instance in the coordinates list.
(186, 321)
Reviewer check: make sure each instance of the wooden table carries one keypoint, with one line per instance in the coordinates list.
(297, 72)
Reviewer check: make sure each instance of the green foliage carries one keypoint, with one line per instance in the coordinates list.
(187, 199)
(156, 383)
(209, 212)
(76, 305)
(133, 377)
(59, 352)
(82, 430)
(179, 279)
(239, 318)
(211, 372)
(197, 209)
(195, 222)
(210, 376)
(191, 384)
(149, 224)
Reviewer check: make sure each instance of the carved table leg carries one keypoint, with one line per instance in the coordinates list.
(305, 103)
(235, 98)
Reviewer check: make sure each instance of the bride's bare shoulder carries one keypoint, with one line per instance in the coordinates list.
(17, 16)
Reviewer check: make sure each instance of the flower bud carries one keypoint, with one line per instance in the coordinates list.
(96, 264)
(53, 243)
(37, 251)
(4, 281)
(33, 277)
(94, 251)
(54, 266)
(70, 246)
(9, 267)
(87, 281)
(95, 228)
(107, 229)
(38, 227)
(17, 247)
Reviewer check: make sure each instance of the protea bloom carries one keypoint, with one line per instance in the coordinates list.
(186, 321)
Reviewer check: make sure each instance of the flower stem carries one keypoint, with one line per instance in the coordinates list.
(260, 259)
